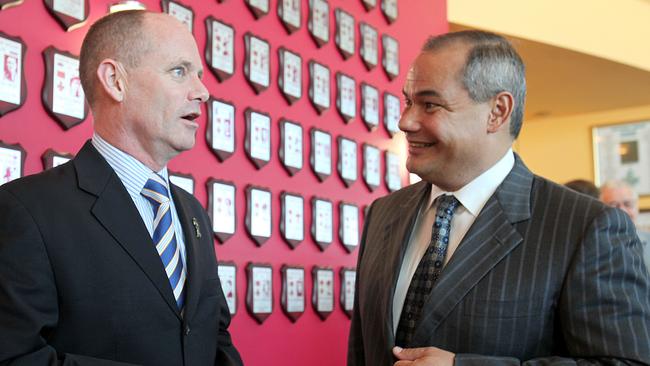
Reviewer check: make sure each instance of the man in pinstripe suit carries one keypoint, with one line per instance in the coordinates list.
(529, 271)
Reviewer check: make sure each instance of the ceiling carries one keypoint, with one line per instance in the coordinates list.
(563, 82)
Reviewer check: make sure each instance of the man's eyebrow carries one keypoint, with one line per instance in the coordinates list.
(423, 93)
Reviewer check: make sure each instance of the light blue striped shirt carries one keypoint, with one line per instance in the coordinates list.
(134, 175)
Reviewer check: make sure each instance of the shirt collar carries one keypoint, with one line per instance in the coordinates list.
(475, 194)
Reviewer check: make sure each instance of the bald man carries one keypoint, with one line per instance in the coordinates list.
(102, 260)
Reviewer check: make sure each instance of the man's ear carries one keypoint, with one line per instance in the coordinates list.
(502, 105)
(112, 78)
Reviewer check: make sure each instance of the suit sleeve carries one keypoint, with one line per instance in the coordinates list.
(28, 294)
(604, 306)
(355, 341)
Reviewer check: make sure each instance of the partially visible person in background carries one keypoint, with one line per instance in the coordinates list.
(617, 193)
(584, 186)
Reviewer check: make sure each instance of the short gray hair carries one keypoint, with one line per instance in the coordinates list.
(492, 66)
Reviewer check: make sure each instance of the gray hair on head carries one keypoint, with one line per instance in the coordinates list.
(492, 66)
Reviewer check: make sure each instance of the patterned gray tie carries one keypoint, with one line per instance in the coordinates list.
(428, 270)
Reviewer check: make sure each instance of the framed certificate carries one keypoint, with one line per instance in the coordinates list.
(291, 146)
(389, 9)
(293, 291)
(63, 96)
(12, 162)
(292, 222)
(368, 47)
(346, 96)
(258, 137)
(51, 158)
(369, 4)
(259, 294)
(220, 131)
(290, 15)
(321, 153)
(222, 208)
(259, 8)
(323, 291)
(319, 21)
(348, 281)
(70, 14)
(227, 272)
(344, 36)
(390, 56)
(392, 113)
(290, 75)
(182, 12)
(184, 181)
(321, 222)
(370, 106)
(6, 4)
(258, 214)
(347, 162)
(220, 48)
(371, 175)
(393, 177)
(13, 86)
(257, 67)
(349, 225)
(319, 86)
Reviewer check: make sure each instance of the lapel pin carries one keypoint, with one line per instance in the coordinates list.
(197, 229)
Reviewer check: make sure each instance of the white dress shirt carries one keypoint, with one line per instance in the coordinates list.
(472, 198)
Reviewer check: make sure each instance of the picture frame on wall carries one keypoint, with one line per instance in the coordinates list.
(257, 66)
(222, 208)
(345, 33)
(368, 47)
(393, 176)
(369, 4)
(220, 131)
(293, 291)
(290, 14)
(390, 56)
(321, 153)
(348, 278)
(347, 160)
(319, 86)
(259, 293)
(6, 4)
(318, 22)
(390, 10)
(371, 166)
(321, 222)
(370, 106)
(227, 271)
(183, 180)
(62, 94)
(392, 113)
(52, 158)
(258, 8)
(622, 152)
(12, 162)
(180, 11)
(291, 146)
(258, 137)
(70, 14)
(220, 48)
(290, 75)
(323, 291)
(259, 214)
(13, 85)
(292, 220)
(346, 97)
(349, 226)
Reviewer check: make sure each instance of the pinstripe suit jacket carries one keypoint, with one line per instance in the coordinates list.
(544, 276)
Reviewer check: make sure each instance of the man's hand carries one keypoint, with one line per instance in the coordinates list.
(425, 356)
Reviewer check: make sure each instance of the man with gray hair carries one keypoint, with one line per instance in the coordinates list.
(619, 194)
(483, 262)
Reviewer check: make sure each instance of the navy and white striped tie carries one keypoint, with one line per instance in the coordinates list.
(155, 191)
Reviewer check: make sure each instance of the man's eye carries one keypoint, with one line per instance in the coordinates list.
(428, 106)
(178, 71)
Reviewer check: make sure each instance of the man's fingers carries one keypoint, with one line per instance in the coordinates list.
(409, 354)
(403, 363)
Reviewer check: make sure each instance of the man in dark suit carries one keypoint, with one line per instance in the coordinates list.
(484, 263)
(102, 261)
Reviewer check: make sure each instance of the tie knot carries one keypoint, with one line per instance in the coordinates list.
(155, 190)
(447, 204)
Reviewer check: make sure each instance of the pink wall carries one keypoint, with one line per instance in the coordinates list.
(309, 341)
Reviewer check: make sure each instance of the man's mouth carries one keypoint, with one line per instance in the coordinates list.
(191, 116)
(415, 144)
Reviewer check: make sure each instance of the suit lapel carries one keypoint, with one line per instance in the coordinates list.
(490, 238)
(116, 212)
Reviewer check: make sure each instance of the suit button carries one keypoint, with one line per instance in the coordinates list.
(187, 330)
